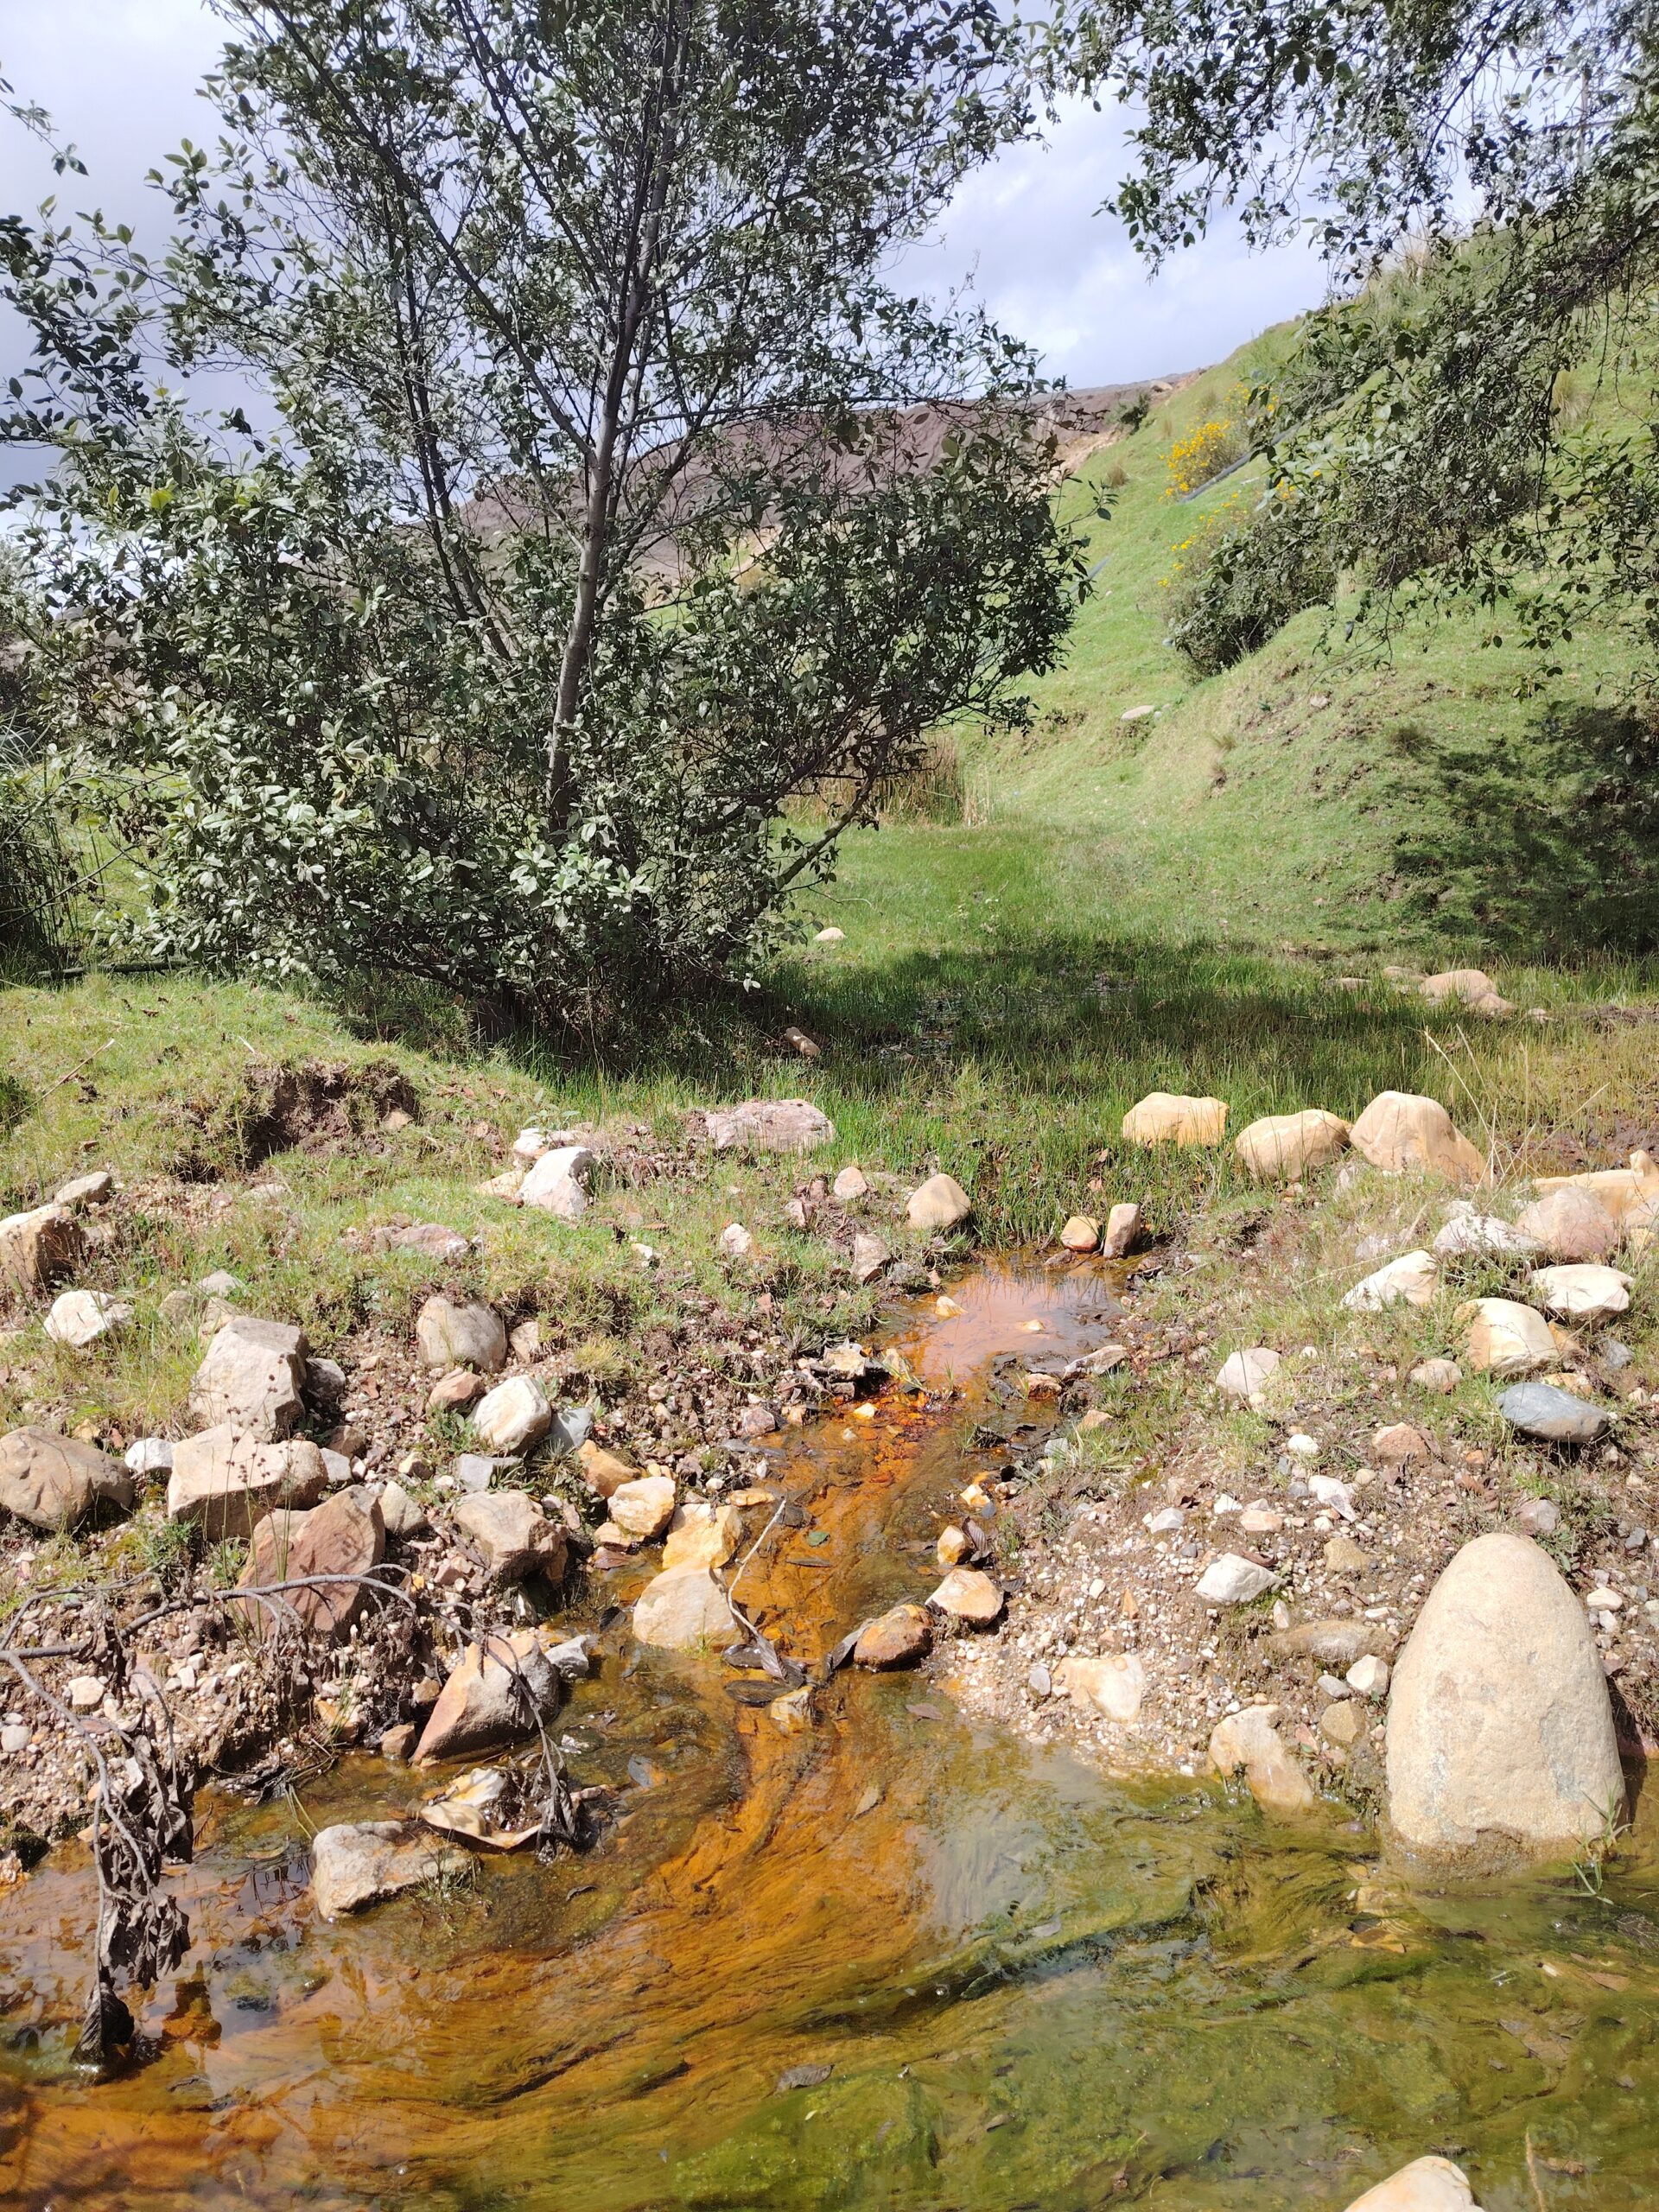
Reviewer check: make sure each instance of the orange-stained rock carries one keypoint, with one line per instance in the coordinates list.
(902, 1638)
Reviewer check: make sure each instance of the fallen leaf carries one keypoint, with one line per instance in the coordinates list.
(868, 1802)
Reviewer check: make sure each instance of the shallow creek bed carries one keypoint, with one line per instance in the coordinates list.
(896, 1957)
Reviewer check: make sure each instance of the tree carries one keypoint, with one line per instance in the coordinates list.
(586, 515)
(1484, 178)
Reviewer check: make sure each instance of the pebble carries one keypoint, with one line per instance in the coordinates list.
(86, 1691)
(1230, 1580)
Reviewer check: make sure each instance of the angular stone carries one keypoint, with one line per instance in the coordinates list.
(1283, 1148)
(1342, 1555)
(1123, 1227)
(1426, 2185)
(1581, 1292)
(1505, 1338)
(54, 1482)
(1539, 1516)
(38, 1247)
(735, 1241)
(1404, 1134)
(1230, 1580)
(1167, 1117)
(967, 1595)
(1394, 1445)
(225, 1483)
(1081, 1233)
(496, 1693)
(253, 1379)
(1501, 1743)
(1442, 1375)
(1343, 1723)
(449, 1333)
(346, 1535)
(455, 1391)
(701, 1535)
(475, 1471)
(850, 1185)
(684, 1610)
(870, 1257)
(769, 1125)
(900, 1637)
(515, 1536)
(1412, 1280)
(1369, 1676)
(1114, 1685)
(358, 1862)
(85, 1189)
(1571, 1223)
(149, 1455)
(512, 1416)
(1468, 1234)
(80, 1317)
(602, 1471)
(402, 1516)
(560, 1181)
(643, 1508)
(1551, 1415)
(1245, 1375)
(1250, 1741)
(939, 1204)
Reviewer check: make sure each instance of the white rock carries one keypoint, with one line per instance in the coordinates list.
(1506, 1338)
(1584, 1293)
(1123, 1227)
(1169, 1117)
(830, 935)
(1404, 1134)
(151, 1455)
(357, 1862)
(1115, 1685)
(1369, 1676)
(80, 1317)
(683, 1610)
(559, 1182)
(85, 1189)
(1426, 2185)
(1412, 1280)
(768, 1125)
(529, 1144)
(1166, 1521)
(1470, 1234)
(1245, 1375)
(1333, 1494)
(1230, 1580)
(512, 1416)
(253, 1377)
(735, 1241)
(1301, 1446)
(850, 1185)
(87, 1691)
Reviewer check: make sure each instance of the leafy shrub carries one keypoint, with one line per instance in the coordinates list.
(1193, 461)
(1256, 570)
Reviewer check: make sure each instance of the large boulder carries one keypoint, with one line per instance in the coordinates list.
(357, 1862)
(452, 1333)
(38, 1247)
(1248, 1742)
(253, 1377)
(497, 1692)
(1426, 2185)
(1282, 1147)
(54, 1482)
(1506, 1338)
(346, 1535)
(1501, 1744)
(516, 1538)
(224, 1484)
(768, 1125)
(1167, 1117)
(1403, 1134)
(683, 1610)
(1571, 1223)
(939, 1204)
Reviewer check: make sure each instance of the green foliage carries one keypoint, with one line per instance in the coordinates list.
(594, 529)
(1259, 569)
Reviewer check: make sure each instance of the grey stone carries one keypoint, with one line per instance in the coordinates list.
(514, 1535)
(404, 1515)
(356, 1863)
(253, 1377)
(476, 1470)
(54, 1482)
(1555, 1416)
(768, 1125)
(451, 1333)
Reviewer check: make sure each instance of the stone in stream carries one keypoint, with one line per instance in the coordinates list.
(512, 1416)
(559, 1182)
(1167, 1117)
(515, 1536)
(1282, 1147)
(1123, 1227)
(768, 1125)
(1248, 1741)
(701, 1535)
(900, 1637)
(1412, 1280)
(644, 1507)
(80, 1317)
(497, 1693)
(967, 1595)
(225, 1483)
(358, 1862)
(1230, 1580)
(38, 1247)
(1426, 2185)
(56, 1482)
(1553, 1416)
(683, 1610)
(1114, 1685)
(346, 1535)
(952, 1546)
(1579, 1292)
(1404, 1134)
(1505, 1338)
(1245, 1375)
(940, 1204)
(252, 1378)
(1501, 1744)
(1571, 1223)
(1081, 1233)
(450, 1332)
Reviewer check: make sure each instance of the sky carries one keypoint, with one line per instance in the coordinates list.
(118, 77)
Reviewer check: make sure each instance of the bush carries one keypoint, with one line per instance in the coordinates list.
(1194, 460)
(1258, 570)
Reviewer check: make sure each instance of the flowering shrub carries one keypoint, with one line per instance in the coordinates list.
(1241, 575)
(1193, 461)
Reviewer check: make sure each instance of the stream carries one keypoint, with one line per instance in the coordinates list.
(1031, 1985)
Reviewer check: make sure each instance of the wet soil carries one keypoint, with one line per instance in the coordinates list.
(896, 1960)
